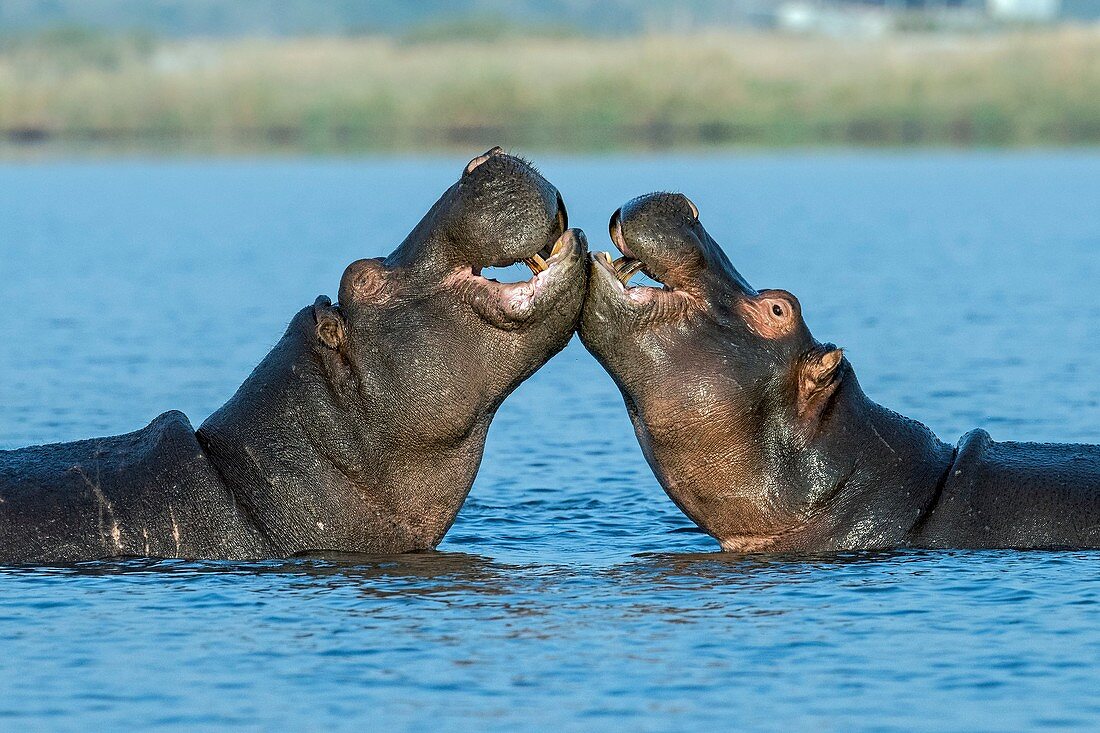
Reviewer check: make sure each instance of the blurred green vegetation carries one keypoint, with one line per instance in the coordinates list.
(69, 48)
(487, 28)
(460, 85)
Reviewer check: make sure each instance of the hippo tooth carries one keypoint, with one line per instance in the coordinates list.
(536, 263)
(627, 270)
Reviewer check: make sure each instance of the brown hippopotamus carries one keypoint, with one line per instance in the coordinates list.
(762, 435)
(361, 431)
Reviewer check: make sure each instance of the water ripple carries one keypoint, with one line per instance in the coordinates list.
(570, 593)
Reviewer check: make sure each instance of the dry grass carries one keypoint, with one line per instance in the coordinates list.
(1040, 88)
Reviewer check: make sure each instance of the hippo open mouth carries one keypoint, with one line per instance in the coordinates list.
(671, 284)
(512, 302)
(499, 213)
(626, 267)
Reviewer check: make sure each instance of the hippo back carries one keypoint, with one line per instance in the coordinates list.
(149, 493)
(1019, 495)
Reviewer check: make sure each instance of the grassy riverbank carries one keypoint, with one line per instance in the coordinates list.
(333, 94)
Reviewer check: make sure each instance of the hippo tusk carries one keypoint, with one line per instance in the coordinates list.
(626, 268)
(536, 263)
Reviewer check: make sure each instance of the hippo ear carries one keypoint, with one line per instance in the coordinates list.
(330, 323)
(364, 281)
(819, 376)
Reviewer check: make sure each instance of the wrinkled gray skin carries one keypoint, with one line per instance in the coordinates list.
(763, 437)
(363, 428)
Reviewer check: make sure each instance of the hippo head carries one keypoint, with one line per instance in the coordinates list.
(442, 341)
(724, 384)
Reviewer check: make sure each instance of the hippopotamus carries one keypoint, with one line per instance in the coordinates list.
(762, 435)
(361, 431)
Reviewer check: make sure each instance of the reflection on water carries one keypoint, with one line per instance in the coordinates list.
(570, 593)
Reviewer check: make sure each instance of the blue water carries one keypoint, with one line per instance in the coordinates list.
(570, 594)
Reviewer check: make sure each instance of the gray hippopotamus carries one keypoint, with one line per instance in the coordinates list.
(762, 435)
(361, 431)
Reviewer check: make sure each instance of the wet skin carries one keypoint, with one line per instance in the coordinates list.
(763, 436)
(361, 431)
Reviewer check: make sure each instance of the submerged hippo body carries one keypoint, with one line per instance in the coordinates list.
(361, 431)
(1016, 495)
(763, 436)
(151, 493)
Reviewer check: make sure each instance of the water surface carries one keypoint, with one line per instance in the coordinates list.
(570, 592)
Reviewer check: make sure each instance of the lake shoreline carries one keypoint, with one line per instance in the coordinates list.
(201, 149)
(655, 92)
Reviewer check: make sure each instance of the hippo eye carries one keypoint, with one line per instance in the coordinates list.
(777, 309)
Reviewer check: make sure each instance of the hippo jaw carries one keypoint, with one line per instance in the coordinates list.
(509, 306)
(676, 297)
(723, 383)
(553, 260)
